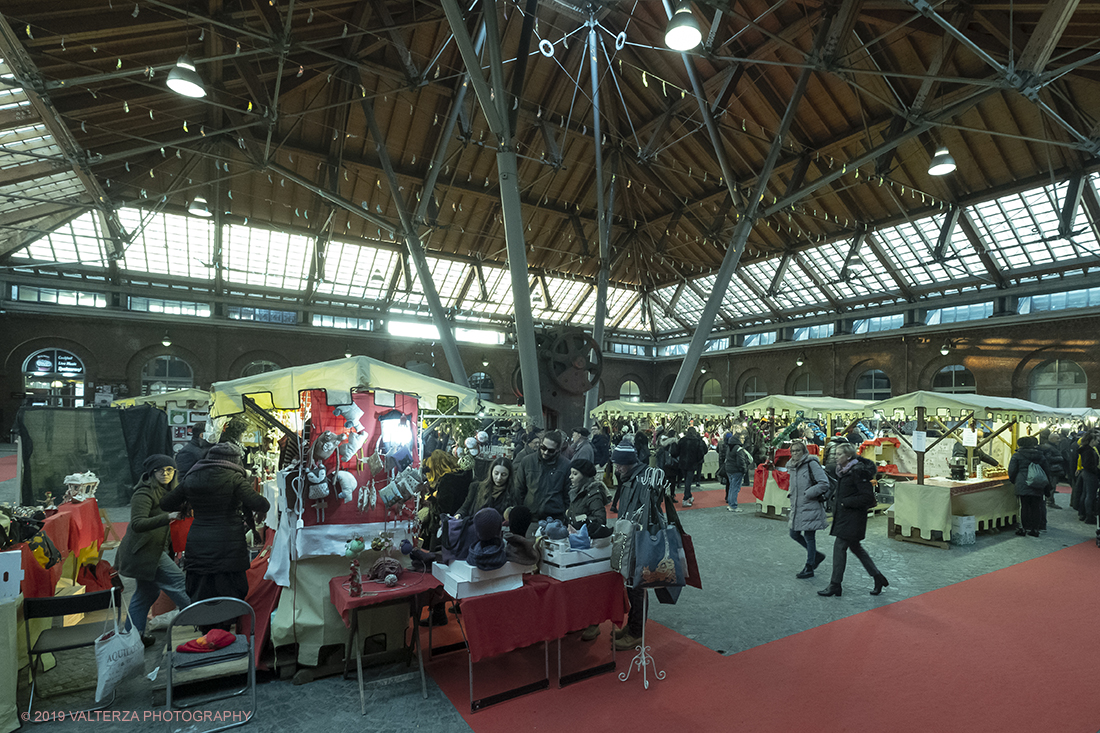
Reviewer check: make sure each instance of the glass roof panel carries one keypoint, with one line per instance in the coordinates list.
(78, 242)
(168, 244)
(266, 258)
(498, 283)
(632, 319)
(618, 300)
(663, 321)
(357, 271)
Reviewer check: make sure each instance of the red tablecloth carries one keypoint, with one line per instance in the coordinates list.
(37, 583)
(760, 480)
(409, 584)
(57, 528)
(544, 609)
(86, 528)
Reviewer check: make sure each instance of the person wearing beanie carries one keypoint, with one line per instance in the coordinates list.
(587, 495)
(489, 552)
(1028, 492)
(145, 551)
(219, 491)
(542, 481)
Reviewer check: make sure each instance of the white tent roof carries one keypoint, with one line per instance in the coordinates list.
(985, 406)
(179, 397)
(810, 406)
(626, 407)
(279, 389)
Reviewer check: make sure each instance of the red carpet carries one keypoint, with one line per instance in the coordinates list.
(978, 656)
(716, 497)
(9, 465)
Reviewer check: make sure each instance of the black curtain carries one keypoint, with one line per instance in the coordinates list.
(109, 442)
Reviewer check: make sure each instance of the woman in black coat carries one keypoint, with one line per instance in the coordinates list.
(854, 497)
(1031, 497)
(219, 489)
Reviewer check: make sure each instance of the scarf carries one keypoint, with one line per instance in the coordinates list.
(841, 470)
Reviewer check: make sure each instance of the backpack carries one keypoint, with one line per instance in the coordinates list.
(1036, 477)
(44, 550)
(750, 462)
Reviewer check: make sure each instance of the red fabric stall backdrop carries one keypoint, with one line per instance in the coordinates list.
(323, 418)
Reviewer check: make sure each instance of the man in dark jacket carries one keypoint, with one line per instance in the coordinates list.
(582, 446)
(194, 451)
(739, 466)
(692, 452)
(1028, 491)
(1050, 444)
(542, 482)
(601, 446)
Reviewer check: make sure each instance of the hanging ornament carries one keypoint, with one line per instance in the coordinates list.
(127, 166)
(229, 194)
(345, 33)
(163, 154)
(645, 81)
(62, 43)
(185, 126)
(31, 35)
(178, 154)
(118, 65)
(151, 175)
(202, 33)
(301, 70)
(150, 114)
(202, 130)
(136, 11)
(126, 107)
(310, 18)
(83, 126)
(238, 48)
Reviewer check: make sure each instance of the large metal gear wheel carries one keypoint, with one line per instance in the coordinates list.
(573, 361)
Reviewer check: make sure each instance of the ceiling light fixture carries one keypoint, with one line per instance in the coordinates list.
(946, 348)
(942, 163)
(198, 207)
(347, 351)
(683, 32)
(484, 361)
(801, 359)
(856, 264)
(166, 341)
(183, 79)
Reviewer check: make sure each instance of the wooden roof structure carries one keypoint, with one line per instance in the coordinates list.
(314, 107)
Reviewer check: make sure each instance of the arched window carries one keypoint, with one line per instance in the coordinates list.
(752, 389)
(630, 392)
(955, 379)
(166, 374)
(1058, 383)
(54, 378)
(484, 385)
(260, 366)
(873, 385)
(807, 385)
(712, 392)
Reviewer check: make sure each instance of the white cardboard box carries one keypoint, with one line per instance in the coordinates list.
(562, 563)
(458, 588)
(467, 573)
(11, 573)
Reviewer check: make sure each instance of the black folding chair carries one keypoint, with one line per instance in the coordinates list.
(211, 612)
(60, 638)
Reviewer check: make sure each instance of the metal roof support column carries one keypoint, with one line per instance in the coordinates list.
(744, 226)
(511, 203)
(416, 252)
(591, 398)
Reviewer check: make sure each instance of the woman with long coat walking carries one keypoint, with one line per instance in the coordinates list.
(854, 497)
(1031, 497)
(807, 490)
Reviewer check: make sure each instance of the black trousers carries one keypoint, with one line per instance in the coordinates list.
(635, 619)
(840, 559)
(1031, 512)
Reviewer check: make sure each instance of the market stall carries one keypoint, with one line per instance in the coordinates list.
(676, 415)
(354, 420)
(825, 416)
(923, 509)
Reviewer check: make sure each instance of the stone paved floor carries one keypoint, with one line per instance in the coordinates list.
(750, 597)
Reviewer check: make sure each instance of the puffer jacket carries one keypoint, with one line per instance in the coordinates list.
(854, 497)
(808, 487)
(218, 489)
(1018, 467)
(588, 502)
(148, 534)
